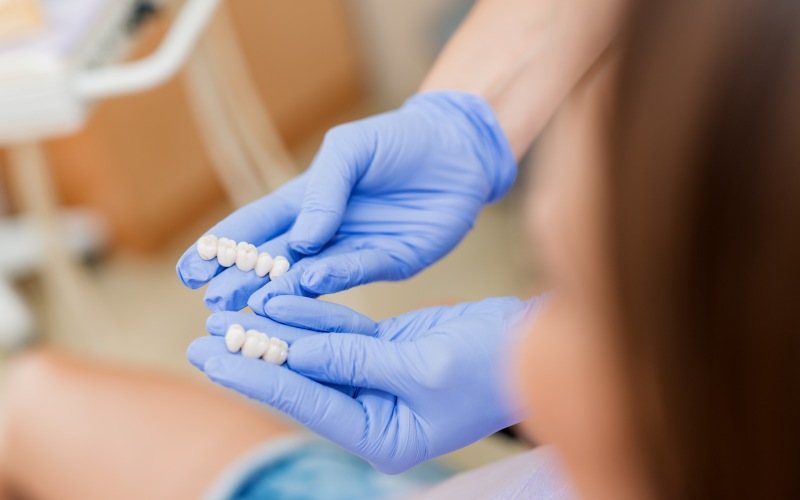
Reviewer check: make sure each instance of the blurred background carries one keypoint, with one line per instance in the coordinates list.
(93, 220)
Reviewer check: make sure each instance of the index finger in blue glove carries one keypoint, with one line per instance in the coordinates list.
(341, 160)
(392, 248)
(355, 360)
(205, 348)
(255, 223)
(318, 315)
(324, 410)
(332, 274)
(288, 284)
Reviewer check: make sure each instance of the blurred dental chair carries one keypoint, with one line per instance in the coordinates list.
(49, 80)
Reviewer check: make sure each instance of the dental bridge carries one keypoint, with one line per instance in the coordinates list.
(244, 255)
(48, 84)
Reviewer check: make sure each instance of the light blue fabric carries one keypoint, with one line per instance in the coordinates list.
(316, 470)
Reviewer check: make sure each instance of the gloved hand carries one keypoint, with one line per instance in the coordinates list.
(384, 198)
(411, 388)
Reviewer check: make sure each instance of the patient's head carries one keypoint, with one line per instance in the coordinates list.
(668, 363)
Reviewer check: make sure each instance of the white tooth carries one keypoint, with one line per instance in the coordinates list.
(252, 333)
(263, 347)
(235, 337)
(263, 337)
(279, 267)
(207, 247)
(226, 252)
(246, 256)
(235, 326)
(263, 264)
(278, 351)
(273, 354)
(251, 348)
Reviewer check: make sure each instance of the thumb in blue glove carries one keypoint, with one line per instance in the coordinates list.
(426, 383)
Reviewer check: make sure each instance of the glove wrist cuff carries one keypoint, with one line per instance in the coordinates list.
(492, 145)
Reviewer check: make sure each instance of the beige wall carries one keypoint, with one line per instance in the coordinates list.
(401, 41)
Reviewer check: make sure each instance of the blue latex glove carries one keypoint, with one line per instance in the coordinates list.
(384, 198)
(410, 388)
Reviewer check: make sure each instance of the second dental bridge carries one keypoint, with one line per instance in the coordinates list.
(244, 255)
(255, 344)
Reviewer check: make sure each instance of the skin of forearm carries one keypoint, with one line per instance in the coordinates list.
(524, 57)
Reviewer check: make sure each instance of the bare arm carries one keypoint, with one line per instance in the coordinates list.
(524, 57)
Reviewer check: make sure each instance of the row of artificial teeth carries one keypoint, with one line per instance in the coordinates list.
(244, 255)
(255, 344)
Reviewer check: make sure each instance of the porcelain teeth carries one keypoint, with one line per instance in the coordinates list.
(244, 255)
(226, 252)
(279, 267)
(207, 247)
(254, 344)
(234, 338)
(264, 264)
(277, 352)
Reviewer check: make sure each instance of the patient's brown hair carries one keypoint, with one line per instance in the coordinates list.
(704, 178)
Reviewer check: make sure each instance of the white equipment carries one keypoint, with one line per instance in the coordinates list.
(48, 82)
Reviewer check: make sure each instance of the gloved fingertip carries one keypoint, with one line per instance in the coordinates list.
(185, 279)
(257, 303)
(217, 368)
(193, 274)
(275, 309)
(215, 303)
(309, 280)
(194, 355)
(304, 247)
(322, 280)
(216, 323)
(312, 229)
(302, 354)
(302, 237)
